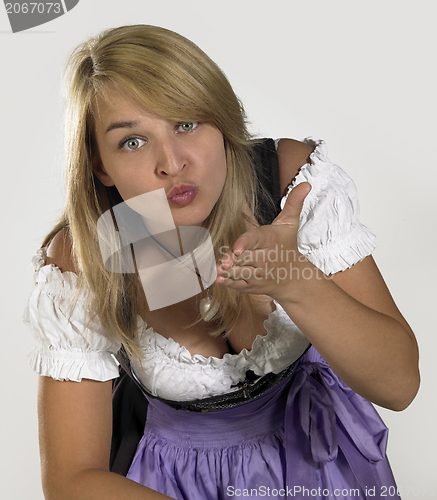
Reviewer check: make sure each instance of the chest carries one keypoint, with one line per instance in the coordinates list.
(175, 322)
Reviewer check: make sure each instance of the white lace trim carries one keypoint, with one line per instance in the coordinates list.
(170, 371)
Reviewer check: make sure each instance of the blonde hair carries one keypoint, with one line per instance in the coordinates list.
(171, 76)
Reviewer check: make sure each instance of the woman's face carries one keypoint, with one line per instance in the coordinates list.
(140, 151)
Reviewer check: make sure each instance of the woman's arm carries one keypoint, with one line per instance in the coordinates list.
(391, 384)
(356, 327)
(350, 319)
(75, 428)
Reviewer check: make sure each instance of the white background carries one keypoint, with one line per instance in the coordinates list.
(360, 75)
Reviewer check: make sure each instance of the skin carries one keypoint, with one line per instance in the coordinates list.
(166, 156)
(351, 319)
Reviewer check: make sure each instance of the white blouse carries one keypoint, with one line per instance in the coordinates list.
(70, 347)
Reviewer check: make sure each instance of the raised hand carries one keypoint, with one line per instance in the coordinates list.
(266, 260)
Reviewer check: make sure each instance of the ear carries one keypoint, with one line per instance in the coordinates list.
(99, 170)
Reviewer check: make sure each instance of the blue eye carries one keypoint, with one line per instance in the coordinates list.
(187, 126)
(132, 143)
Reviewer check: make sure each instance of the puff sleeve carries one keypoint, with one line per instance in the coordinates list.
(330, 234)
(69, 346)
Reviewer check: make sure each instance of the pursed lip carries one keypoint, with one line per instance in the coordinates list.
(179, 189)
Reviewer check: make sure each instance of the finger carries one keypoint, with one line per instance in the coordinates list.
(226, 261)
(244, 242)
(249, 257)
(251, 240)
(238, 285)
(290, 214)
(244, 273)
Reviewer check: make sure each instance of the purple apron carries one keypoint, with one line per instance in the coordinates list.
(308, 436)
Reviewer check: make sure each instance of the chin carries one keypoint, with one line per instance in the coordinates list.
(192, 219)
(190, 223)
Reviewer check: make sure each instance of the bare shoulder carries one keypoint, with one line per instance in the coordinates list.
(60, 252)
(292, 155)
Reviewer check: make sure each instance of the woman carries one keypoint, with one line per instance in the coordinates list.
(269, 397)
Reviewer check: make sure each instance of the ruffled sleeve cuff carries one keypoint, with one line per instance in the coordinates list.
(74, 365)
(330, 234)
(339, 255)
(69, 345)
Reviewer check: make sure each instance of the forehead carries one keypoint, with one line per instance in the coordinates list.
(115, 105)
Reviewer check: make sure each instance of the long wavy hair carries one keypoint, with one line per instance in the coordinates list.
(171, 76)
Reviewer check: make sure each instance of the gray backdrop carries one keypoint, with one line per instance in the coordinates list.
(360, 75)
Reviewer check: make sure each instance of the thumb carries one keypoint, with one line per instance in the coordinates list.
(293, 205)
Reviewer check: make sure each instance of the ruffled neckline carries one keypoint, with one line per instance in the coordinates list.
(179, 352)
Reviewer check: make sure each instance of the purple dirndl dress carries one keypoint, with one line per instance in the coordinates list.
(308, 436)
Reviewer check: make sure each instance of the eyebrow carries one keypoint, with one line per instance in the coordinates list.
(121, 125)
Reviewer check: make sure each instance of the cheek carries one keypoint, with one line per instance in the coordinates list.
(129, 181)
(220, 167)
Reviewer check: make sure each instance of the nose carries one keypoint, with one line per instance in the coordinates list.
(171, 158)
